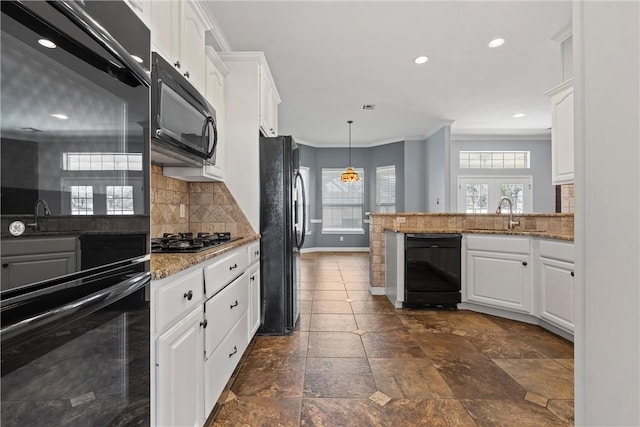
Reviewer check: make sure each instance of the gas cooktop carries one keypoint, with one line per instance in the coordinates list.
(186, 243)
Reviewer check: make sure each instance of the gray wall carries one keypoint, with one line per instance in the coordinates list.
(415, 176)
(543, 190)
(316, 159)
(366, 158)
(387, 155)
(437, 153)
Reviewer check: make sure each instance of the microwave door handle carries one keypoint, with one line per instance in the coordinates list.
(214, 143)
(84, 21)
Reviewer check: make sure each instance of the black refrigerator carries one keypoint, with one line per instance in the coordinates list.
(282, 215)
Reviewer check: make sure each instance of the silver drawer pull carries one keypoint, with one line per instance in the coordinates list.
(234, 305)
(252, 278)
(235, 350)
(233, 266)
(257, 253)
(188, 295)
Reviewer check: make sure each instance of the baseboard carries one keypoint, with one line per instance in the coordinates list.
(335, 249)
(376, 290)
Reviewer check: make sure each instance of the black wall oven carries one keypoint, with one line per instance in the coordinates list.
(75, 104)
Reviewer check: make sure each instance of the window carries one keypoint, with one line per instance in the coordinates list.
(119, 200)
(494, 160)
(482, 194)
(81, 200)
(386, 189)
(102, 161)
(342, 202)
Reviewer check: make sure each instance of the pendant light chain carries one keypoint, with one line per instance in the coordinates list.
(350, 122)
(349, 175)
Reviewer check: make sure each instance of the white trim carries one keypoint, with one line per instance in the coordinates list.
(315, 221)
(563, 34)
(343, 231)
(536, 136)
(335, 249)
(376, 290)
(211, 53)
(430, 131)
(559, 88)
(216, 30)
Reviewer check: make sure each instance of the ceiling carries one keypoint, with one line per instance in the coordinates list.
(329, 58)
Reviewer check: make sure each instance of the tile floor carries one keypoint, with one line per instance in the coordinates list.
(356, 361)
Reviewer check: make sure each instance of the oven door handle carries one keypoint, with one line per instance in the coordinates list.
(82, 19)
(83, 306)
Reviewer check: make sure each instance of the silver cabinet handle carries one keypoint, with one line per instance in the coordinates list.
(233, 266)
(235, 350)
(235, 304)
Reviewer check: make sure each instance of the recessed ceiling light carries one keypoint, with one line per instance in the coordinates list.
(137, 59)
(518, 115)
(59, 116)
(496, 42)
(421, 59)
(47, 43)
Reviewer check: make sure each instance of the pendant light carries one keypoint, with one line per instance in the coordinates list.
(350, 175)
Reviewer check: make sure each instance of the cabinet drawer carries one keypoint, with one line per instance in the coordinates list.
(516, 245)
(254, 252)
(223, 311)
(224, 270)
(557, 250)
(219, 367)
(178, 297)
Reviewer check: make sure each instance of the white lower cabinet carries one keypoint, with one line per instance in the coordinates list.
(556, 292)
(254, 299)
(498, 272)
(201, 317)
(220, 365)
(179, 373)
(499, 279)
(556, 284)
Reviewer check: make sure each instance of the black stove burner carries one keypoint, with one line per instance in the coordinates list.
(186, 243)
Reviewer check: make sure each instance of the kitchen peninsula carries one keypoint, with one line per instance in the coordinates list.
(525, 273)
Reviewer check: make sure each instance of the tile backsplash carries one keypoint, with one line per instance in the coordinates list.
(568, 198)
(208, 207)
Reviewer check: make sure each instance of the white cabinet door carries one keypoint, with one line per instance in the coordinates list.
(164, 26)
(214, 91)
(268, 105)
(499, 279)
(192, 42)
(254, 300)
(562, 135)
(180, 370)
(556, 287)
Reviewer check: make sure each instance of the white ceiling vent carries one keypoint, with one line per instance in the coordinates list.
(368, 106)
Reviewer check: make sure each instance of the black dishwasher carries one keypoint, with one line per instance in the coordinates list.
(432, 270)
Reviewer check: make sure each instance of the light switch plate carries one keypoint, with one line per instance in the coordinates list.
(401, 219)
(183, 210)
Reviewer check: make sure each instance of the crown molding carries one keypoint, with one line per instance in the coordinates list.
(539, 136)
(216, 30)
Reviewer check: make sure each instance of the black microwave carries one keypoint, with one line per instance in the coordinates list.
(183, 123)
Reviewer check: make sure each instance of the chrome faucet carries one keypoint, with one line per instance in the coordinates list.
(46, 212)
(512, 223)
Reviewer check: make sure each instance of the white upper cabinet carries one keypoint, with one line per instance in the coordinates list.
(178, 33)
(269, 101)
(562, 133)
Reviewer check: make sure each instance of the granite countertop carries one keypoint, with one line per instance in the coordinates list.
(164, 265)
(516, 232)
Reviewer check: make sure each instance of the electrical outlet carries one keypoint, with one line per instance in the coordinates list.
(401, 219)
(342, 238)
(183, 210)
